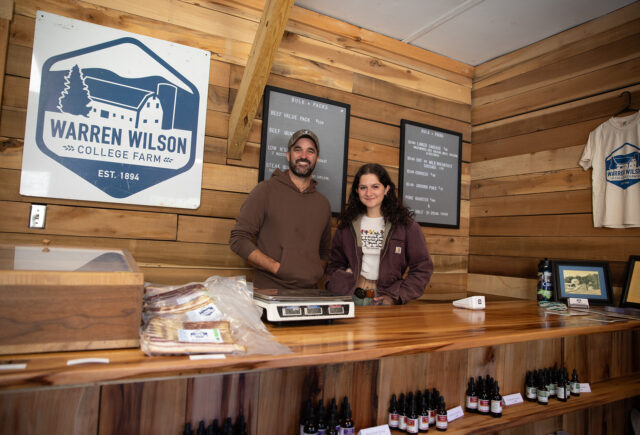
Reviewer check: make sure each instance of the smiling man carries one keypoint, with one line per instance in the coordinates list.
(284, 227)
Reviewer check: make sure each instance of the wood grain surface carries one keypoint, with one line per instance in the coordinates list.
(44, 318)
(529, 412)
(532, 113)
(56, 411)
(383, 81)
(375, 332)
(143, 408)
(383, 351)
(223, 396)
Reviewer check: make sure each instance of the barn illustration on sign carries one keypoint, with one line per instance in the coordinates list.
(121, 134)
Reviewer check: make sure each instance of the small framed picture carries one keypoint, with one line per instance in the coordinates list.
(631, 292)
(582, 279)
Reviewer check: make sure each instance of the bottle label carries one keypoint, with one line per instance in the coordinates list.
(432, 416)
(483, 405)
(424, 423)
(441, 421)
(321, 431)
(575, 388)
(560, 392)
(347, 431)
(393, 419)
(543, 396)
(496, 406)
(531, 393)
(552, 389)
(402, 423)
(412, 425)
(545, 290)
(472, 402)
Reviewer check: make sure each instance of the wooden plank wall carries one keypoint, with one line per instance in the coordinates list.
(532, 113)
(382, 79)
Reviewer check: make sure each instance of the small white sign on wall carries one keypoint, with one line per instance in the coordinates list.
(114, 116)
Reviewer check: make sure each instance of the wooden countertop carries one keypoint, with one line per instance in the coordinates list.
(376, 332)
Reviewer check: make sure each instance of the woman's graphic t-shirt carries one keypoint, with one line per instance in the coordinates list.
(371, 234)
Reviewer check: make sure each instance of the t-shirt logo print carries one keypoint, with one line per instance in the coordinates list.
(371, 239)
(623, 166)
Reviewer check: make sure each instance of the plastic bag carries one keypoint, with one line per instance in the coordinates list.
(190, 303)
(221, 302)
(234, 297)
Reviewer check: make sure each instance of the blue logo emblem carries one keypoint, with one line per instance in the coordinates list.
(121, 134)
(623, 166)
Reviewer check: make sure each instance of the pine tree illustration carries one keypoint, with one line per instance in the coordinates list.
(74, 98)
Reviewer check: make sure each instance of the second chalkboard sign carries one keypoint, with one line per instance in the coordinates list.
(429, 179)
(286, 112)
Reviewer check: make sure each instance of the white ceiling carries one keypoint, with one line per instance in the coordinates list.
(471, 31)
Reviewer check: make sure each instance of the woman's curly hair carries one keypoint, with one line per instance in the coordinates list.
(392, 209)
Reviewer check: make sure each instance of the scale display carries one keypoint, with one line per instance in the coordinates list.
(283, 305)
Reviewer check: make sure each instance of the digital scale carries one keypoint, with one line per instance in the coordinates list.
(285, 305)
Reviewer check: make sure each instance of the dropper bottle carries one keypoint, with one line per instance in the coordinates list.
(393, 412)
(471, 397)
(442, 422)
(347, 427)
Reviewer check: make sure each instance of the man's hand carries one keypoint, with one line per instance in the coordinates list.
(262, 261)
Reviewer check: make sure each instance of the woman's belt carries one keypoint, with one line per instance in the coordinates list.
(365, 288)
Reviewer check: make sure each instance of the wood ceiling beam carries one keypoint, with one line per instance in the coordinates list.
(265, 44)
(6, 9)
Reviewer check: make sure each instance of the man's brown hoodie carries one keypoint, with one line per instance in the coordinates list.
(292, 227)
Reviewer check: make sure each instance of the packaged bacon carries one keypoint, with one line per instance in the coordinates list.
(216, 316)
(167, 336)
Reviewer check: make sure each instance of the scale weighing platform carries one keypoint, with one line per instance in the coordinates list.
(283, 305)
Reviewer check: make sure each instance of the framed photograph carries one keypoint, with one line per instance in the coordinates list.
(631, 292)
(429, 176)
(582, 279)
(284, 113)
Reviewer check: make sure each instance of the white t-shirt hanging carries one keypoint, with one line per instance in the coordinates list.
(613, 150)
(371, 234)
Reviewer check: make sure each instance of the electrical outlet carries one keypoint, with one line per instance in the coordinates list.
(37, 216)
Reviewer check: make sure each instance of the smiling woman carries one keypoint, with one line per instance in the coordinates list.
(371, 192)
(376, 242)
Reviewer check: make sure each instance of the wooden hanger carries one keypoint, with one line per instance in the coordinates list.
(627, 107)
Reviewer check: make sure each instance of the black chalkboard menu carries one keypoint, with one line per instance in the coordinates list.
(429, 179)
(286, 112)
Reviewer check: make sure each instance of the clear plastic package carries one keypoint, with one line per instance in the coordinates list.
(193, 318)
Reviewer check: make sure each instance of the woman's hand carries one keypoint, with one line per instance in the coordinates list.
(382, 300)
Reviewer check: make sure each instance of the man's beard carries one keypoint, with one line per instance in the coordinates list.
(294, 169)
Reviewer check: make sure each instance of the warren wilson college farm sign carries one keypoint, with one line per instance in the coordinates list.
(113, 116)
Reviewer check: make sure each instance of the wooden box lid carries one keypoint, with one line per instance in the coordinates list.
(44, 265)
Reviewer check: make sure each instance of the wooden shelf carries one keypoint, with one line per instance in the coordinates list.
(513, 416)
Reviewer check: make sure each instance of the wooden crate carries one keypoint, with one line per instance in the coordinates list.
(57, 299)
